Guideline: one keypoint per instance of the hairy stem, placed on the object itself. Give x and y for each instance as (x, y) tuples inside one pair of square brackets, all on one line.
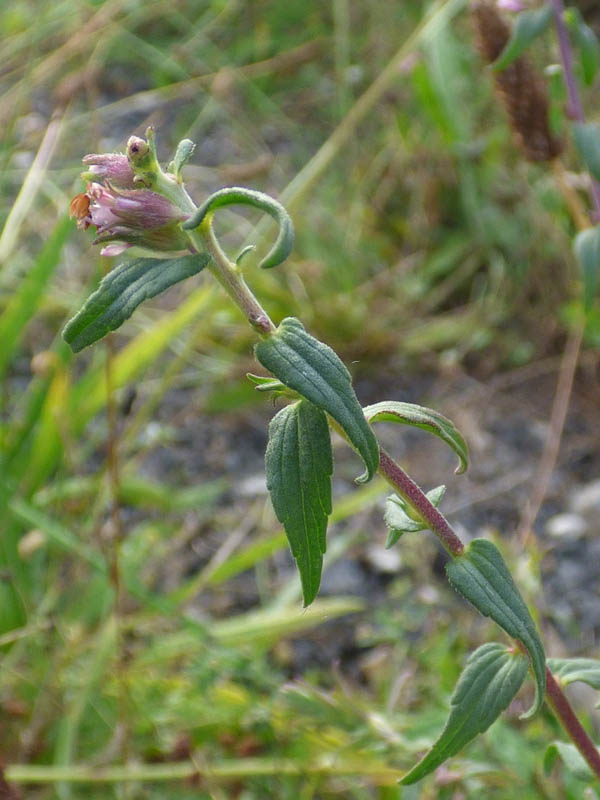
[(562, 708), (230, 277)]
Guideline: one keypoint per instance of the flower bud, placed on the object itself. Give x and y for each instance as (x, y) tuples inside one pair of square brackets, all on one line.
[(130, 217), (113, 168)]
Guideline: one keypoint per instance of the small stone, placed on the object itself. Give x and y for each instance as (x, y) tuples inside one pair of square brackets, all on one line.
[(252, 486), (566, 526), (384, 561), (586, 500)]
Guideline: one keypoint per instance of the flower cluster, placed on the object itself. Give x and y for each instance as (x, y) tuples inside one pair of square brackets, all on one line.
[(125, 216)]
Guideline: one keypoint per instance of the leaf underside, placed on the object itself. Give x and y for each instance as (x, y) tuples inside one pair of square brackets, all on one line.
[(314, 370), (425, 418), (491, 678), (400, 518), (570, 670), (299, 465), (122, 291), (482, 577)]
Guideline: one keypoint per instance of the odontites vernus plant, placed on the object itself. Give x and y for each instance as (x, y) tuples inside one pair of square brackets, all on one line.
[(132, 202)]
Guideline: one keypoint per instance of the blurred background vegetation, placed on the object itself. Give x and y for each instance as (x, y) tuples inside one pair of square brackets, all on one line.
[(166, 630)]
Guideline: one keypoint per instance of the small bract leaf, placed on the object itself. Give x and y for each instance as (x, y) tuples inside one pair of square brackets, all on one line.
[(529, 25), (570, 756), (400, 518), (491, 678), (425, 418), (314, 370), (482, 577), (122, 291), (184, 152), (299, 466), (570, 670), (587, 252), (263, 383)]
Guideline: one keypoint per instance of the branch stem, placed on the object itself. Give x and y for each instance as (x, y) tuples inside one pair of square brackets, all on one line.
[(229, 275), (563, 710)]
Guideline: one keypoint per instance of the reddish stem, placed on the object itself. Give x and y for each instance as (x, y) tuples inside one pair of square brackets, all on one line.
[(409, 491), (562, 709)]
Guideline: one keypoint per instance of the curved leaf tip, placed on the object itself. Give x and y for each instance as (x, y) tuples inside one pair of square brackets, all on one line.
[(236, 195), (425, 418)]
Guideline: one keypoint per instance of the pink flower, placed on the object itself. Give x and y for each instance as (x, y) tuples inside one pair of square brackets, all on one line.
[(128, 217)]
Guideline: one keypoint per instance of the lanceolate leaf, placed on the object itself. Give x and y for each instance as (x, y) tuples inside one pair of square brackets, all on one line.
[(299, 466), (482, 577), (400, 518), (491, 678), (122, 291), (529, 25), (312, 369), (587, 252), (587, 140), (425, 418), (570, 670)]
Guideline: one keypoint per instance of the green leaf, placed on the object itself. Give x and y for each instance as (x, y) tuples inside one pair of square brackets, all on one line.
[(571, 757), (299, 466), (587, 252), (482, 577), (424, 418), (587, 42), (587, 140), (314, 370), (122, 291), (491, 678), (529, 25), (569, 670), (236, 195), (23, 303), (400, 518)]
